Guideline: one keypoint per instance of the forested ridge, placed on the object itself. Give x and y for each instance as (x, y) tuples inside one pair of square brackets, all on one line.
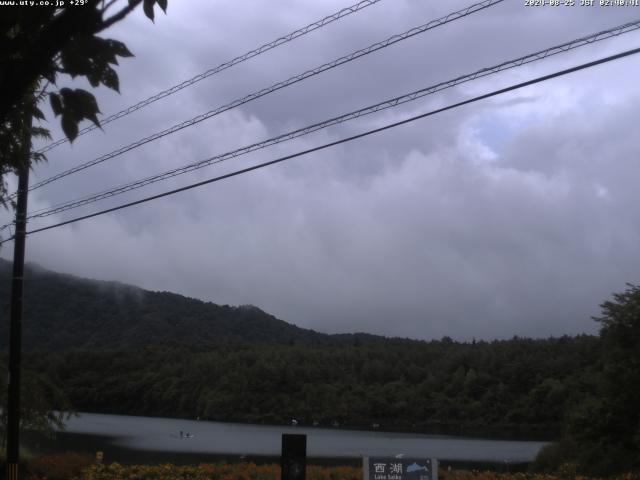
[(511, 385), (63, 311)]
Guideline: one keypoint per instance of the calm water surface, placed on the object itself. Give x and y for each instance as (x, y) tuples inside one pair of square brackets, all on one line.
[(163, 435)]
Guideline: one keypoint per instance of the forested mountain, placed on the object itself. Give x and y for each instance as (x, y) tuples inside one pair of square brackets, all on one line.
[(108, 347), (63, 311), (112, 348), (116, 348), (500, 386)]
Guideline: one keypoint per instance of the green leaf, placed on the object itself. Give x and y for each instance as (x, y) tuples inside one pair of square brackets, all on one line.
[(147, 6), (56, 103), (37, 113), (163, 5), (78, 105), (86, 105), (94, 78), (119, 48), (75, 57), (38, 157), (101, 51), (69, 126), (110, 79), (40, 132)]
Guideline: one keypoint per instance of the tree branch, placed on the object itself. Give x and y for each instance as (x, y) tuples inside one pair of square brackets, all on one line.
[(42, 90), (107, 6), (120, 15)]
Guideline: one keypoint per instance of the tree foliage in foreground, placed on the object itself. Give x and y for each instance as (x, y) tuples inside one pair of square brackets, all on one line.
[(602, 432), (37, 45), (38, 398)]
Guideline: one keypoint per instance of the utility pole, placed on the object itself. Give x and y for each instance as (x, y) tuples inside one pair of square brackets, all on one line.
[(15, 335)]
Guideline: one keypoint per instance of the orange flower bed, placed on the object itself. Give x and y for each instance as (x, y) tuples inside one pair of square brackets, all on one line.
[(475, 475), (215, 471), (251, 471)]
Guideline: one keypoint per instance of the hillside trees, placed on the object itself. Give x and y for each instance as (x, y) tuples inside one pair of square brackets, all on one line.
[(606, 426), (37, 410), (274, 383), (602, 428)]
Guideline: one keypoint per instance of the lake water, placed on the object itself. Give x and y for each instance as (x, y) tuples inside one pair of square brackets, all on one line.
[(163, 435)]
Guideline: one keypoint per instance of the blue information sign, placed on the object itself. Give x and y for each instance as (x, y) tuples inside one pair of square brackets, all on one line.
[(405, 468)]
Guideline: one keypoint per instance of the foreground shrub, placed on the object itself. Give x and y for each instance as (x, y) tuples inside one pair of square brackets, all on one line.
[(60, 466), (251, 471), (567, 472), (553, 455), (217, 471)]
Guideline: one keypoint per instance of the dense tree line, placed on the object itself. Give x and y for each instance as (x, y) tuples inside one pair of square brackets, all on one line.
[(38, 395), (601, 432), (399, 384)]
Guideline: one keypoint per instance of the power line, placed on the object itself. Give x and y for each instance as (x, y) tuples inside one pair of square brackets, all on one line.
[(587, 40), (277, 86), (223, 66), (344, 140)]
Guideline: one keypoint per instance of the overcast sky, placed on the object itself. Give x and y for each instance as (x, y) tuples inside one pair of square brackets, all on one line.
[(516, 215)]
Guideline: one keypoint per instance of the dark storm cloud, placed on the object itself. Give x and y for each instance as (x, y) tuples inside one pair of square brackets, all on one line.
[(511, 216)]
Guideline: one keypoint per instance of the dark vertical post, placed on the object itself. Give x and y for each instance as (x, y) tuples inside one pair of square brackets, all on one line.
[(15, 335), (294, 457)]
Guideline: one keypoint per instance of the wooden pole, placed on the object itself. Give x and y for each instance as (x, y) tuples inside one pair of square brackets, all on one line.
[(15, 334)]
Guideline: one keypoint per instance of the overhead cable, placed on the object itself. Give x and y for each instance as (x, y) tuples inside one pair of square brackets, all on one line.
[(344, 140), (223, 66), (532, 57), (277, 86)]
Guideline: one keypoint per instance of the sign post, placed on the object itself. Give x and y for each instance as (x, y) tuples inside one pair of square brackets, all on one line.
[(294, 457)]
